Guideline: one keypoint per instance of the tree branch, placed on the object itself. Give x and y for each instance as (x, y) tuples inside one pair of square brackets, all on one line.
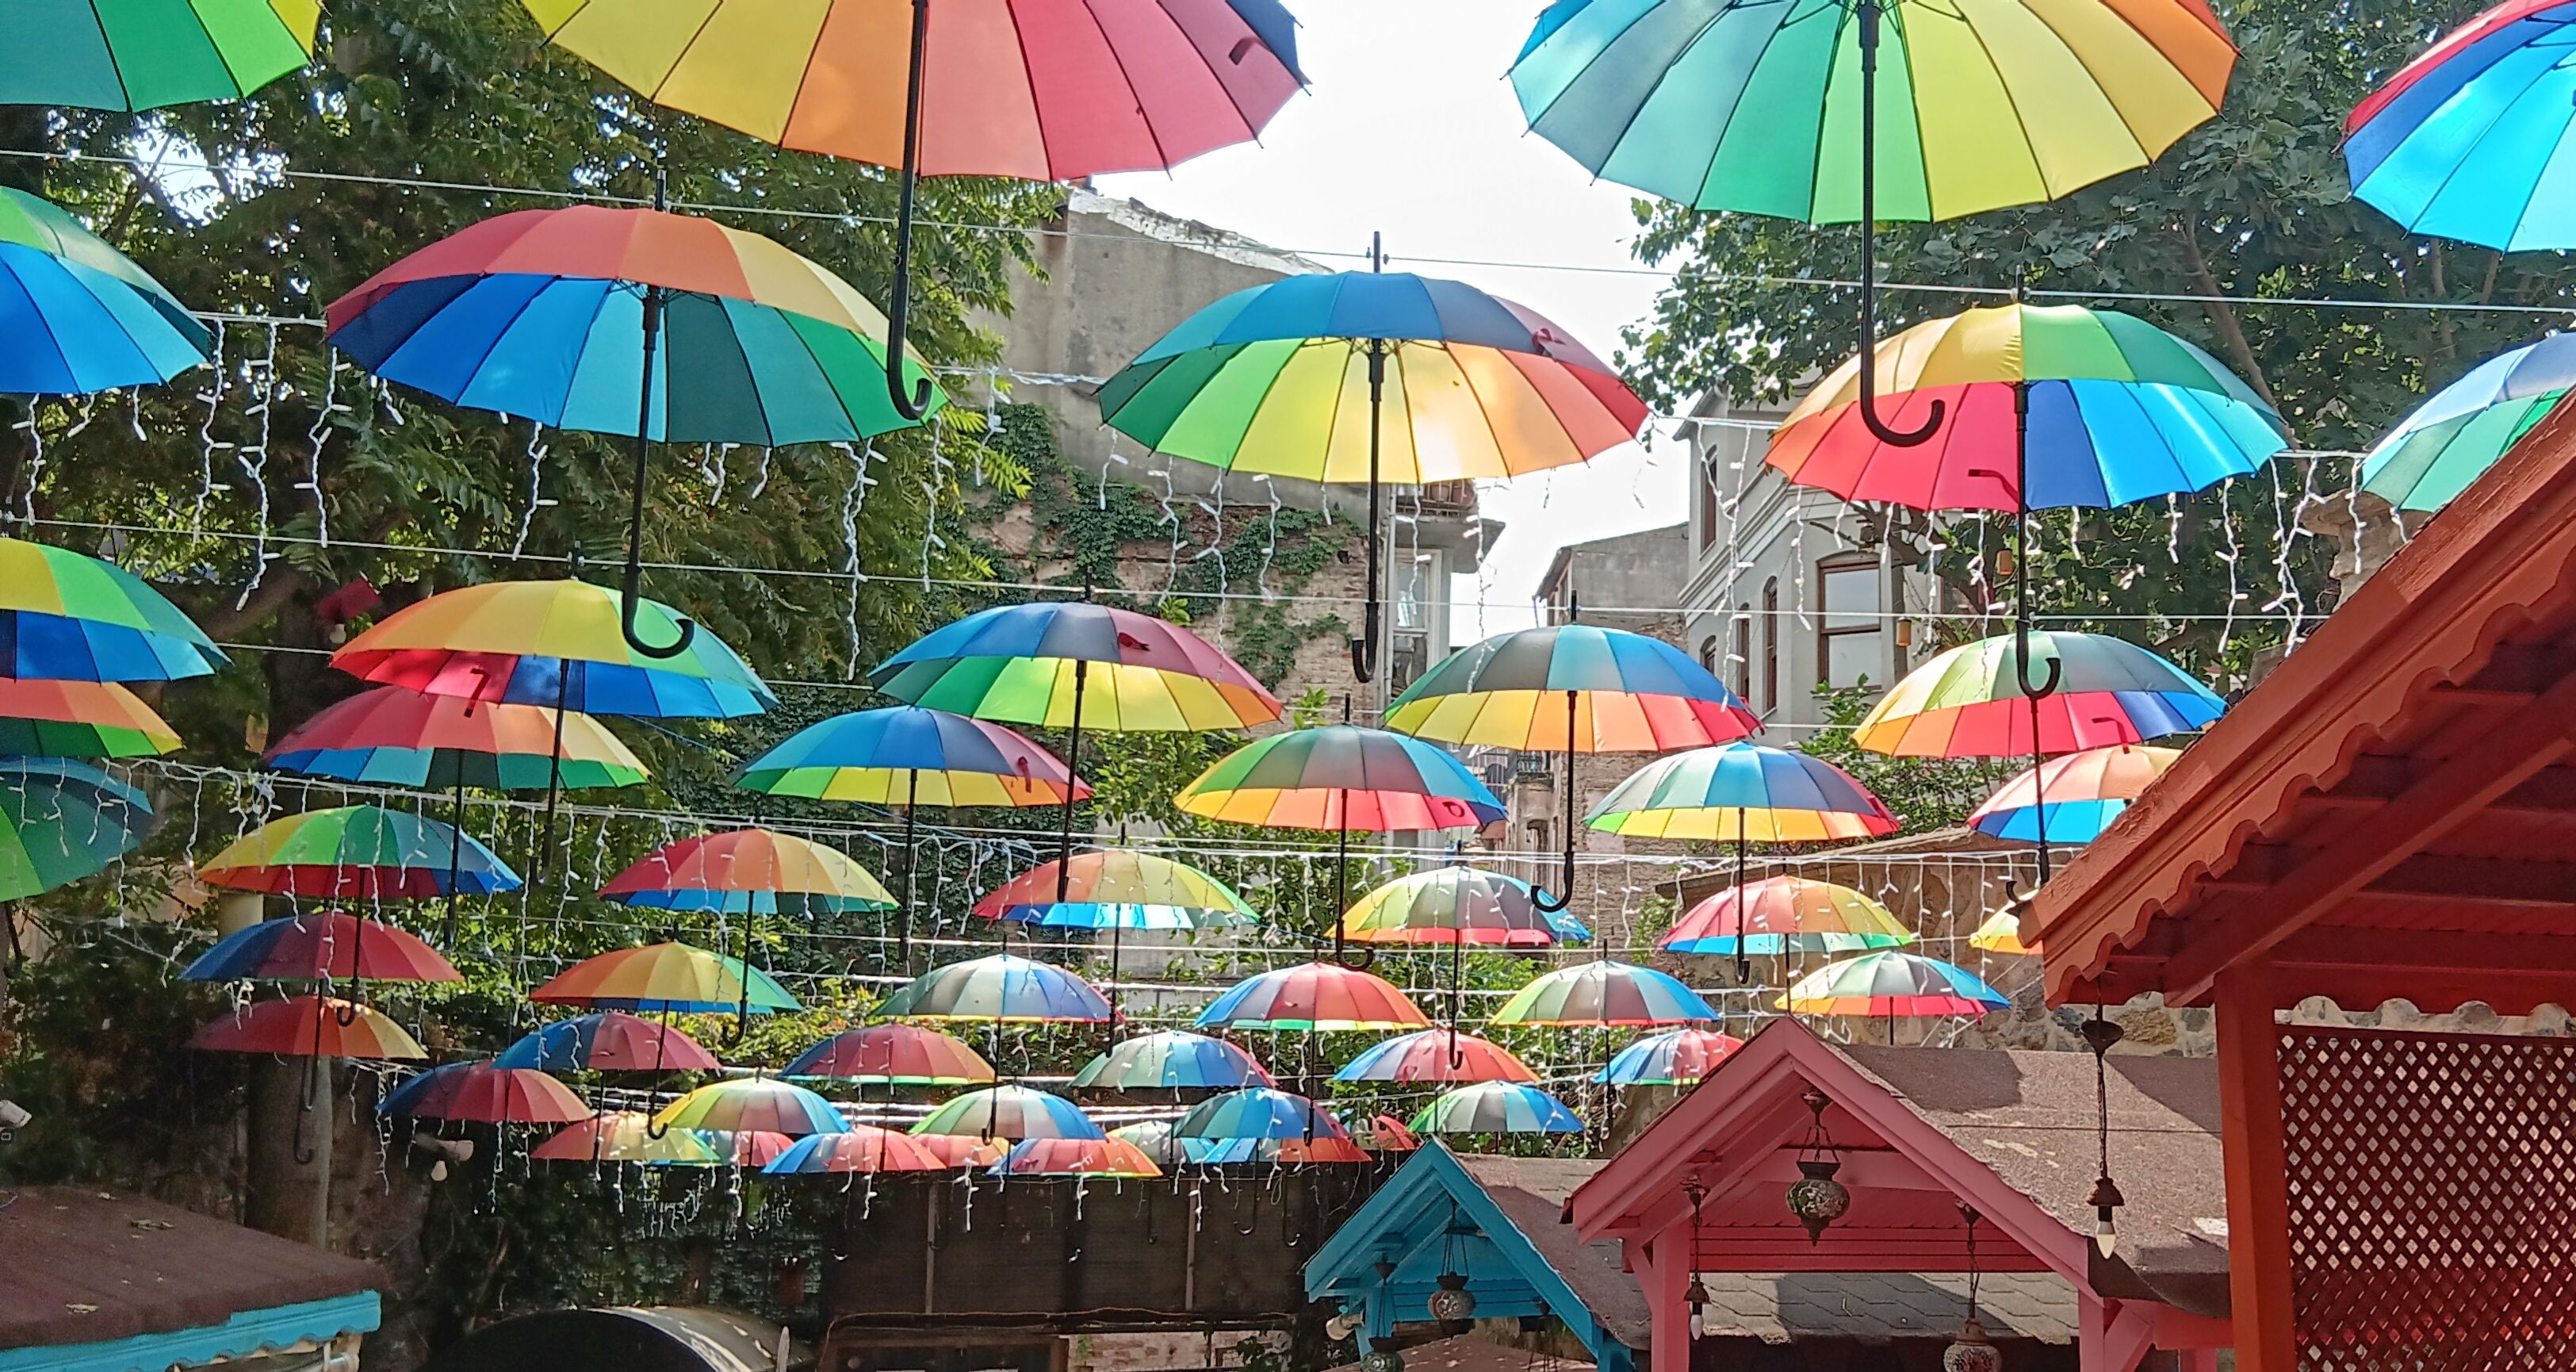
[(2222, 316)]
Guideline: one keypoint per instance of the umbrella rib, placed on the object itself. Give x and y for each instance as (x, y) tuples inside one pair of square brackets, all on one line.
[(1119, 60)]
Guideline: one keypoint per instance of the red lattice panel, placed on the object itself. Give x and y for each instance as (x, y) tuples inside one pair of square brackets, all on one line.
[(2432, 1200)]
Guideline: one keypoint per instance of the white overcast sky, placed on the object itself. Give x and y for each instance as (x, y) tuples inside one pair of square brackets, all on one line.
[(1410, 129)]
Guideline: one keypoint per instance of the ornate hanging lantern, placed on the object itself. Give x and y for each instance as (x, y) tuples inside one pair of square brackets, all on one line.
[(1971, 1350), (1381, 1357), (1816, 1199), (1453, 1303)]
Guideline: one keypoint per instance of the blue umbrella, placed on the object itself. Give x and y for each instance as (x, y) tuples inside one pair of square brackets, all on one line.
[(2469, 140), (1259, 1112), (1496, 1107), (76, 316)]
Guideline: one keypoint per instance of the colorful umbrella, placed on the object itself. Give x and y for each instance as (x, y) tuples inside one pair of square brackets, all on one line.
[(1312, 996), (1001, 988), (309, 1026), (752, 1103), (323, 945), (755, 871), (896, 1054), (672, 978), (1284, 1152), (1601, 994), (1964, 703), (754, 1149), (483, 1093), (1296, 378), (1496, 1107), (70, 617), (1153, 1138), (1891, 984), (1676, 1057), (1171, 1061), (1258, 1112), (862, 1148), (1454, 905), (2001, 933), (1387, 1134), (2083, 792), (1010, 1112), (394, 736), (61, 821), (1785, 914), (1043, 94), (90, 719), (147, 54), (358, 851), (624, 1136), (634, 322), (78, 315), (1435, 1055), (607, 1041), (1102, 1157), (2451, 439), (2467, 141), (961, 1150), (1116, 889)]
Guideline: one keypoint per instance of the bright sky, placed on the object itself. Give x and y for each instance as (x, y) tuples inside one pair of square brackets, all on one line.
[(1410, 129)]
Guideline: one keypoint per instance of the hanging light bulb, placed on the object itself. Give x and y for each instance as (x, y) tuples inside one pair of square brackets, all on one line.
[(2106, 1201), (2101, 1034), (1695, 1296)]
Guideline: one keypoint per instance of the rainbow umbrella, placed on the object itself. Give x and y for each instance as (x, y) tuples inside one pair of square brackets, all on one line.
[(2451, 439), (1964, 702), (2001, 933), (1101, 1157), (1153, 1138), (61, 821), (2467, 140), (78, 315), (961, 1150), (67, 616), (1010, 1112), (754, 1149), (1454, 905), (483, 1093), (308, 1026), (1037, 93), (1117, 890), (607, 1041), (862, 1148), (1171, 1061), (1312, 996), (89, 719), (672, 978), (1782, 915), (1495, 1107), (1258, 1112), (748, 871), (762, 1104), (1436, 1055), (896, 1054), (1285, 1152), (427, 1088), (147, 54), (399, 737), (2082, 793), (624, 1136), (358, 851), (324, 945), (1297, 378), (1676, 1057), (634, 322), (1604, 993), (1891, 984), (1001, 988)]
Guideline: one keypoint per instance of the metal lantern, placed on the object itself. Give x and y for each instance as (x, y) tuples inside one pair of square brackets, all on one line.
[(1972, 1351), (1816, 1199), (1381, 1357), (1453, 1303)]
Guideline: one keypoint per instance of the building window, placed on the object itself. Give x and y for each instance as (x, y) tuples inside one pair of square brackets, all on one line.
[(1708, 654), (1708, 509), (1741, 654), (1771, 644), (1848, 651)]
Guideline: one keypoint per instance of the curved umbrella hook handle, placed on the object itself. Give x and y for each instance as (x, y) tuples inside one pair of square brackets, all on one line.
[(631, 598), (2048, 684), (912, 402), (1879, 428), (655, 1129)]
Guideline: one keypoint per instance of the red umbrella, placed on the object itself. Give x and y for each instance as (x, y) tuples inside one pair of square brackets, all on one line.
[(308, 1027), (607, 1041), (962, 1150), (326, 945), (484, 1094), (899, 1054), (867, 1148)]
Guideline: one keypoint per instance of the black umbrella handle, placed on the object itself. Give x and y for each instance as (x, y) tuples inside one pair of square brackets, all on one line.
[(1879, 428), (914, 401), (633, 597)]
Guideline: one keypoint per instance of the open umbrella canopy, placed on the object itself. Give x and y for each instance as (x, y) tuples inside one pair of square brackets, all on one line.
[(1785, 914), (1312, 996), (1630, 694), (1466, 905), (624, 1136), (671, 978), (1341, 777), (1153, 1138), (1171, 1061), (396, 736), (2001, 933), (894, 1054), (147, 54), (1259, 1112), (87, 719), (1435, 1055), (1496, 1107), (1101, 1157), (1001, 988), (1967, 702), (1742, 791), (364, 851), (1010, 1112), (862, 1148), (2083, 792), (1676, 1057), (484, 1093), (1753, 107), (1387, 1134), (907, 755), (307, 1026), (77, 315), (1120, 887), (1891, 984), (320, 945), (61, 821), (1283, 1152), (68, 616), (759, 871), (2120, 411), (1275, 379), (762, 1104), (607, 1041), (552, 643), (1604, 993), (2469, 140), (540, 314), (1019, 663), (961, 1150), (2451, 439)]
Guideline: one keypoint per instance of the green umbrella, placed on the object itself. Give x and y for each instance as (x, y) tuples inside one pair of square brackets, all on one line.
[(61, 821), (144, 54)]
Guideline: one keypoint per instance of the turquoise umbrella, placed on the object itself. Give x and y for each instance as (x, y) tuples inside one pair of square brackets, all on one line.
[(61, 821)]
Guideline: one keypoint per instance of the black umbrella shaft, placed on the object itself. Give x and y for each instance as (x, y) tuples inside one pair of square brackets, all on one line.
[(911, 868), (1072, 760), (910, 402)]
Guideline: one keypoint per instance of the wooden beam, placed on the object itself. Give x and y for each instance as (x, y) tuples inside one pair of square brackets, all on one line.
[(2377, 779), (2262, 867), (2258, 1188), (1875, 1169)]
